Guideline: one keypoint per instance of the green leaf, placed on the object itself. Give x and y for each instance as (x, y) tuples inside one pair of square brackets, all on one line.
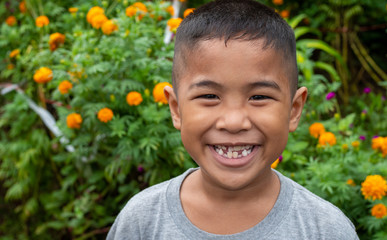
[(296, 20)]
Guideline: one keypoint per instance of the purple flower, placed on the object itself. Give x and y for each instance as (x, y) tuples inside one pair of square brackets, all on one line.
[(362, 137), (364, 111), (330, 95), (376, 136), (280, 158), (140, 169), (367, 90), (383, 98)]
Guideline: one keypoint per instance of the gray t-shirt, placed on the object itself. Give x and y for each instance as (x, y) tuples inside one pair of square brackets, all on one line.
[(157, 213)]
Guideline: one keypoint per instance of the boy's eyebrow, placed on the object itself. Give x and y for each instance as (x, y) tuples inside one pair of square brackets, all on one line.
[(265, 84), (206, 84), (256, 84)]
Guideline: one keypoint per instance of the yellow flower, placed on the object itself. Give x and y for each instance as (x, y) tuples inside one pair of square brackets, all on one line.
[(285, 13), (351, 182), (43, 75), (11, 20), (344, 146), (278, 2), (355, 144), (170, 10), (65, 86), (14, 53), (158, 92), (134, 98), (42, 21), (105, 115), (92, 12), (188, 11), (379, 210), (327, 138), (316, 129), (74, 120), (55, 40), (275, 163), (174, 23), (22, 7), (108, 27), (98, 20), (374, 186), (73, 10)]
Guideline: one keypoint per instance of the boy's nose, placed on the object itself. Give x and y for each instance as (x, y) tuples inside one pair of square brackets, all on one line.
[(234, 121)]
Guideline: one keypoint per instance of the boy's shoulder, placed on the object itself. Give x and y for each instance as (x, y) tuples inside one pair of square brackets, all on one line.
[(314, 214)]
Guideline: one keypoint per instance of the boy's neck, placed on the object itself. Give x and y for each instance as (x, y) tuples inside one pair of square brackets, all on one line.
[(220, 211), (266, 184)]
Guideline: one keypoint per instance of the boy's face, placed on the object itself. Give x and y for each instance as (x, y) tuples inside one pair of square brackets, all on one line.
[(234, 110)]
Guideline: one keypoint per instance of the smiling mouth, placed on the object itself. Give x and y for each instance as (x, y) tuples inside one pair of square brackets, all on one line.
[(233, 151)]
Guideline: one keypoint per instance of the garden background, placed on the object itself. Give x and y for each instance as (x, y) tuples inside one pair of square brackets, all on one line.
[(84, 124)]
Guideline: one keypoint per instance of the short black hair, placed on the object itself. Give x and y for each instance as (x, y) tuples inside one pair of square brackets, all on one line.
[(235, 20)]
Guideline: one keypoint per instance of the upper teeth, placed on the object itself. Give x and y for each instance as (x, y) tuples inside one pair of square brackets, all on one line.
[(233, 151)]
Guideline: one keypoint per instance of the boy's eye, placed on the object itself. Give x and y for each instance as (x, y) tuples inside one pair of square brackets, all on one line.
[(259, 97), (208, 96)]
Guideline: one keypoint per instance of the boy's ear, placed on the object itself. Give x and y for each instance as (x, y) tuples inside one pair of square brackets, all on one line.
[(173, 106), (297, 106)]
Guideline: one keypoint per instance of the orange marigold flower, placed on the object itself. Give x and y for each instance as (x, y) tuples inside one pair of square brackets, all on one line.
[(134, 98), (351, 182), (174, 23), (74, 120), (275, 163), (10, 66), (14, 53), (105, 115), (158, 92), (355, 144), (42, 21), (379, 210), (285, 13), (108, 27), (134, 8), (188, 11), (327, 138), (43, 75), (22, 7), (11, 20), (130, 11), (98, 20), (73, 10), (140, 6), (344, 146), (170, 10), (92, 12), (316, 129), (378, 142), (55, 40), (65, 86), (278, 2), (374, 187)]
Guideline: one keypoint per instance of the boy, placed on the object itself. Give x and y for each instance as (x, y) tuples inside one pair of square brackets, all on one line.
[(235, 99)]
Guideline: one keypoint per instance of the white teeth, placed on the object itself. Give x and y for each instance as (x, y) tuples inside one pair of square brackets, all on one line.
[(244, 153), (233, 151)]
